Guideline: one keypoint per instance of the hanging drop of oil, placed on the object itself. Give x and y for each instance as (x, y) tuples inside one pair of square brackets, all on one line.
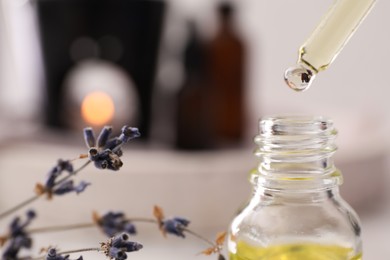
[(299, 77)]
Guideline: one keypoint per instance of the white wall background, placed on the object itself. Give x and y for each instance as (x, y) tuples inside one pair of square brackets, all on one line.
[(355, 87)]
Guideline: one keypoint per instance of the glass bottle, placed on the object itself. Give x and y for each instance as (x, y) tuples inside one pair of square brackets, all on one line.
[(296, 211)]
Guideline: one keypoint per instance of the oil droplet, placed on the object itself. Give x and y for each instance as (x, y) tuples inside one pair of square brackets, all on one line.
[(299, 77)]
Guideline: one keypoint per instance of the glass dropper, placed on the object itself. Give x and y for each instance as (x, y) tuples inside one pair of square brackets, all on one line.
[(327, 41)]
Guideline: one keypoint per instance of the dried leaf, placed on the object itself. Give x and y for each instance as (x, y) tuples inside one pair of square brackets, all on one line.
[(82, 156), (39, 189), (44, 250), (96, 217), (208, 251), (220, 238), (158, 213), (3, 239)]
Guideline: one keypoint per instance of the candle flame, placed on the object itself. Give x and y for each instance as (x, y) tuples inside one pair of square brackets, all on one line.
[(97, 108)]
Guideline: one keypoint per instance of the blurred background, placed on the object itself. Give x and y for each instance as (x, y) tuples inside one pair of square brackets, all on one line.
[(195, 76)]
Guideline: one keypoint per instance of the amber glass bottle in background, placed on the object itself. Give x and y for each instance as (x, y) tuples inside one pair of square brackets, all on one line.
[(226, 58), (296, 211)]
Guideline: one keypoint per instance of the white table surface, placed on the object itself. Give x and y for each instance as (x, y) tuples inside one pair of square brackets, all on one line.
[(205, 187)]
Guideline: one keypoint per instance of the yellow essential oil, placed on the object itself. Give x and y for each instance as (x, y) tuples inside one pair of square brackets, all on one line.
[(294, 252), (334, 30)]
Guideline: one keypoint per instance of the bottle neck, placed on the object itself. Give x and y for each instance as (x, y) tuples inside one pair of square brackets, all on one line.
[(296, 155)]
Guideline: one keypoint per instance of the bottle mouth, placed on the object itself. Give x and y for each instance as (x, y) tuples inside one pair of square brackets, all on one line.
[(295, 138), (296, 152), (296, 125)]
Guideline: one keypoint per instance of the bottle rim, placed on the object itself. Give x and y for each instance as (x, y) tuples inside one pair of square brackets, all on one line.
[(296, 125)]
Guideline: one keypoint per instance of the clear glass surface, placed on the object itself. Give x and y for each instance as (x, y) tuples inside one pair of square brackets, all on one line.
[(296, 211)]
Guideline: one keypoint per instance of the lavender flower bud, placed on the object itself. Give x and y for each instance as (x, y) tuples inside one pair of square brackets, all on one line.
[(93, 154), (65, 165), (19, 237), (31, 214), (52, 255), (175, 226), (119, 240), (56, 172), (129, 133), (132, 246), (103, 136), (112, 143), (15, 226), (22, 241), (53, 174), (182, 221), (117, 253), (101, 164), (130, 228), (89, 137), (64, 188), (113, 223), (81, 187), (68, 186)]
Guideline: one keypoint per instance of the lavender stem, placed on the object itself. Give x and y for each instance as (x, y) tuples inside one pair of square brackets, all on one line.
[(35, 197), (19, 206)]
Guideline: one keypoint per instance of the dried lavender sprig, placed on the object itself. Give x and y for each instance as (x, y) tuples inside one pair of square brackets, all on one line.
[(109, 157), (177, 226), (214, 245), (114, 248), (92, 224), (73, 173), (37, 196), (76, 226), (104, 151), (18, 238)]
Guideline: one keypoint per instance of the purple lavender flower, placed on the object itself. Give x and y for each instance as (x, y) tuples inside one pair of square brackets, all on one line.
[(129, 133), (175, 226), (120, 245), (105, 151), (56, 172), (117, 247), (59, 187), (19, 238), (113, 223), (52, 255), (68, 186), (104, 136), (89, 137), (105, 159)]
